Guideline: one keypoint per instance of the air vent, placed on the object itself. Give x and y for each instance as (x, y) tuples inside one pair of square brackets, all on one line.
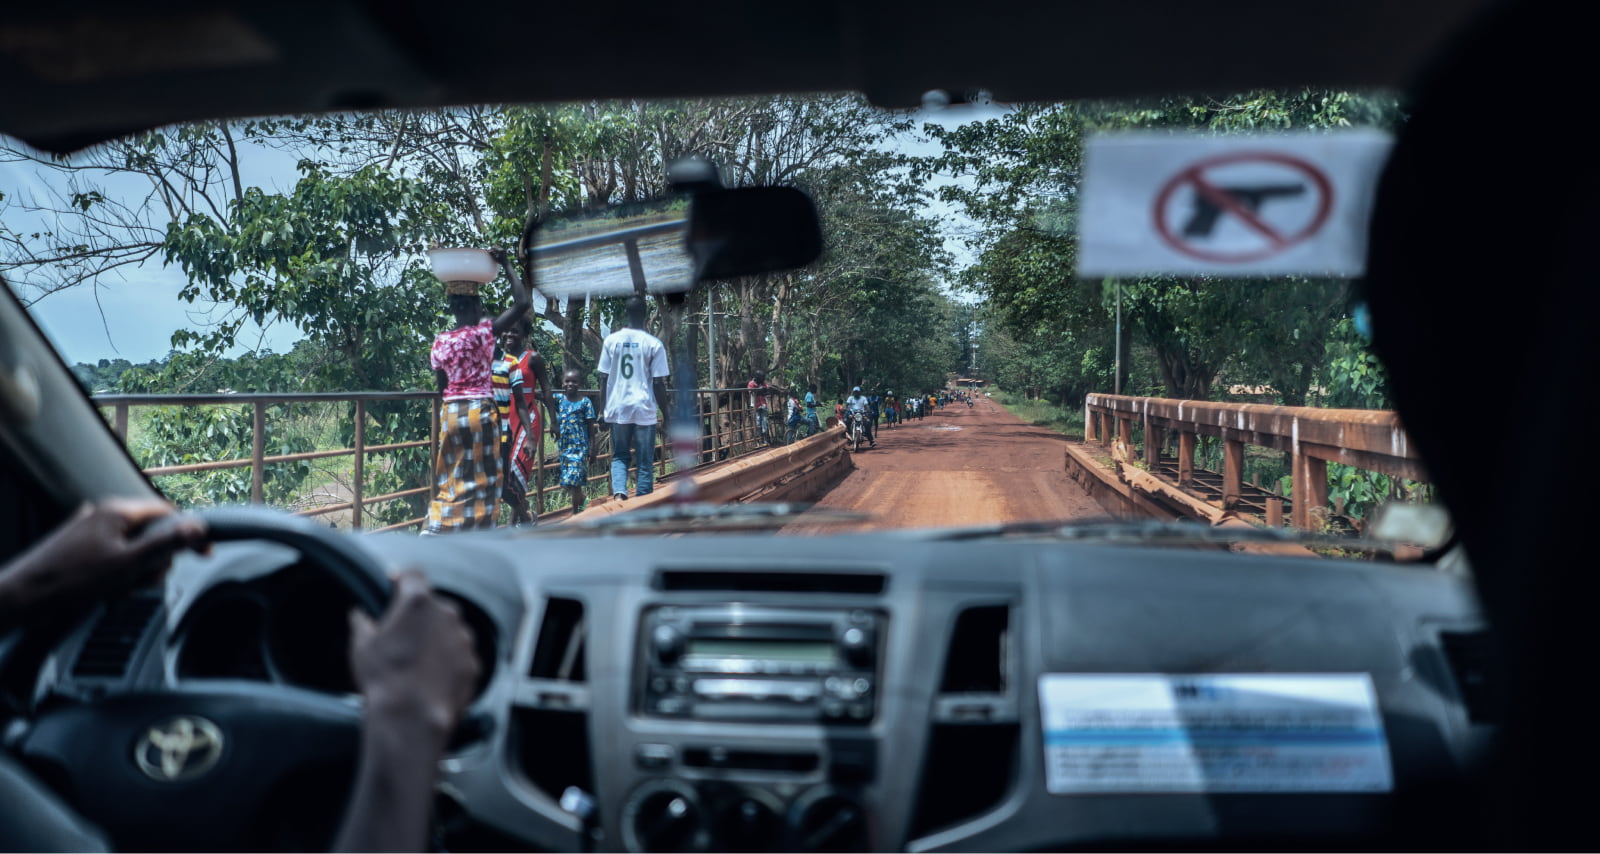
[(974, 745), (1473, 663), (869, 583), (976, 659), (969, 772), (552, 750), (115, 637), (559, 652)]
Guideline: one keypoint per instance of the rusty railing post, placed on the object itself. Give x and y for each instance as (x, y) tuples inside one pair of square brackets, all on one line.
[(119, 421), (1186, 443), (538, 470), (663, 450), (433, 440), (716, 424), (1088, 423), (1152, 446), (1310, 489), (360, 472), (258, 447), (1274, 511), (1232, 472)]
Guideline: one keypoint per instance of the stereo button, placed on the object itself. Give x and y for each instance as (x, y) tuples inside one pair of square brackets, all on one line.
[(650, 756)]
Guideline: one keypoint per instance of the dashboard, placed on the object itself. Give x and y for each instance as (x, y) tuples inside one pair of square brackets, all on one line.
[(880, 691)]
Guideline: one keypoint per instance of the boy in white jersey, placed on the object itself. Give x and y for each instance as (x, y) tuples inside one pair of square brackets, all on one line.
[(632, 365)]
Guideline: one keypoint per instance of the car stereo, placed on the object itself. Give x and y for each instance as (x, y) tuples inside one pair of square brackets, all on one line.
[(760, 664)]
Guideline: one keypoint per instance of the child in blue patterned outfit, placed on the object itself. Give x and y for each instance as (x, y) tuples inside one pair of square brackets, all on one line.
[(574, 431)]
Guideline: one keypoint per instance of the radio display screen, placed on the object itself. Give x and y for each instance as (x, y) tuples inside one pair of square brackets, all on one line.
[(760, 649)]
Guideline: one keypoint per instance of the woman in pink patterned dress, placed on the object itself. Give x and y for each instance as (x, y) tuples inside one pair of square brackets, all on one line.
[(466, 473)]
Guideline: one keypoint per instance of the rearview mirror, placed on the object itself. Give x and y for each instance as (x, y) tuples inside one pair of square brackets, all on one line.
[(665, 245)]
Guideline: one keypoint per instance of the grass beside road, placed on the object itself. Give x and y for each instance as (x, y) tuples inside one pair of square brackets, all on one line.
[(1067, 421)]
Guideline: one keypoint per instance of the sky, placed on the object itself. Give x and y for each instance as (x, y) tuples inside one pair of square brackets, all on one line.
[(130, 314), (133, 313)]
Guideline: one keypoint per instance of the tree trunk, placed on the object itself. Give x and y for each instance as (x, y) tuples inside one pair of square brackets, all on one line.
[(572, 337), (780, 334)]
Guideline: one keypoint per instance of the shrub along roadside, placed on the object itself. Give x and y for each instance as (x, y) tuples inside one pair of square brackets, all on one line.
[(1064, 420)]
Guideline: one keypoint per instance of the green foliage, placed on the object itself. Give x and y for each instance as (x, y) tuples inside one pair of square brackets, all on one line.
[(198, 434), (1065, 420), (337, 257), (106, 376), (1022, 172), (1353, 376)]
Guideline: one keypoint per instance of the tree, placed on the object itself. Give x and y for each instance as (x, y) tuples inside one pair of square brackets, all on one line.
[(1021, 173)]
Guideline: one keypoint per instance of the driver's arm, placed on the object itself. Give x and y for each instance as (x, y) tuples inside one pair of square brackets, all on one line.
[(416, 670), (104, 548)]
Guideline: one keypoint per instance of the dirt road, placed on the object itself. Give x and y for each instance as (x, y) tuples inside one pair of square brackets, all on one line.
[(959, 466)]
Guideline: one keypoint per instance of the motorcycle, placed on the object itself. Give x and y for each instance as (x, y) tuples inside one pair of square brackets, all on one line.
[(857, 429)]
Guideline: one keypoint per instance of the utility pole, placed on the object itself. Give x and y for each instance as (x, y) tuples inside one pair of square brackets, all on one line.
[(711, 338), (1116, 378)]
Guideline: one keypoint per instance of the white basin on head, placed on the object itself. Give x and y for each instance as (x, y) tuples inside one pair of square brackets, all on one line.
[(463, 265)]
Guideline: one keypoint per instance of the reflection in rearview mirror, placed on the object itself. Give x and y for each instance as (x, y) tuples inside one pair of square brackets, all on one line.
[(613, 251)]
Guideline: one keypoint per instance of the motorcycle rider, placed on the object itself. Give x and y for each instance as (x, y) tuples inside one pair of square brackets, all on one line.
[(858, 405)]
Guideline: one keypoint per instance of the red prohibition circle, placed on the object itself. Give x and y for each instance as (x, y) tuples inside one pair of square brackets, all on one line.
[(1277, 243)]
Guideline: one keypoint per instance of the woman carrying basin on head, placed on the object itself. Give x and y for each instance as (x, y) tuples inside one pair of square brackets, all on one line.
[(466, 472)]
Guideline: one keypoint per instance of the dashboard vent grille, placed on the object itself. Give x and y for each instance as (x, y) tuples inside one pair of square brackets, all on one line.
[(559, 652), (976, 659), (1472, 663), (115, 637), (870, 583), (970, 770)]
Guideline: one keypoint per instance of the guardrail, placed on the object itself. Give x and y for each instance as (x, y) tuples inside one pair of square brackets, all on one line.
[(1367, 439), (797, 472), (728, 427)]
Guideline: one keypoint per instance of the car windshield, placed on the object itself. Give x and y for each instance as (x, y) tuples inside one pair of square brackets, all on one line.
[(258, 310)]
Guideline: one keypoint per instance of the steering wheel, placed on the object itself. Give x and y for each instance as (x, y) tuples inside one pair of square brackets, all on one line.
[(193, 768)]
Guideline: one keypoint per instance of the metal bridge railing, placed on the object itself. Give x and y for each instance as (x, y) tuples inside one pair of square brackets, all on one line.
[(1366, 439), (728, 429)]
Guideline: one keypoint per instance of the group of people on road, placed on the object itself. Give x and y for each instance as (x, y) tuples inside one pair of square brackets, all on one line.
[(801, 416), (489, 432)]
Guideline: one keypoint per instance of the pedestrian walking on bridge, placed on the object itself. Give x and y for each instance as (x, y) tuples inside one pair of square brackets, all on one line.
[(466, 472), (633, 364)]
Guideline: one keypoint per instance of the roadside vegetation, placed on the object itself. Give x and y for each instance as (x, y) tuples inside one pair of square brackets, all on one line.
[(1043, 413)]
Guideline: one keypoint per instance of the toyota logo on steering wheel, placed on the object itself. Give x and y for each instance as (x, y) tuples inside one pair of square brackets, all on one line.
[(182, 748)]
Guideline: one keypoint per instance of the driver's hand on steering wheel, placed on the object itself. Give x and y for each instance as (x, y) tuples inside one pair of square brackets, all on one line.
[(417, 663), (105, 547)]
